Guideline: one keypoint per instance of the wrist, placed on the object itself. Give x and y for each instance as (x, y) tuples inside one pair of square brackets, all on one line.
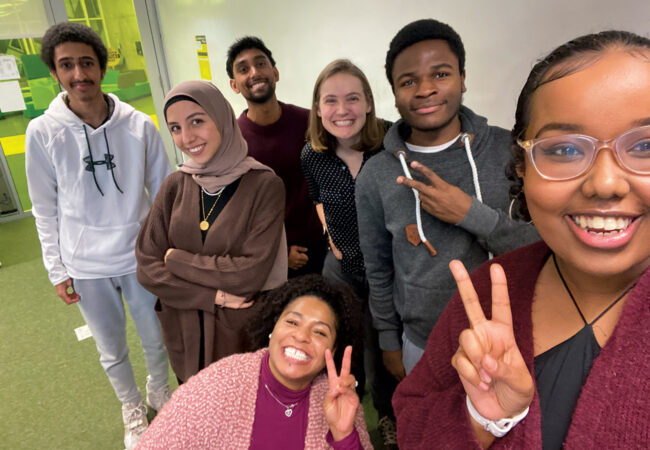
[(497, 428)]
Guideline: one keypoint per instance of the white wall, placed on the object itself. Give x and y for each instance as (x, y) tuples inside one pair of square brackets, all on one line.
[(502, 38)]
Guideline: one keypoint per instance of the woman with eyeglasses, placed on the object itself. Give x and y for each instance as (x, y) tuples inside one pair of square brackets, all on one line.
[(549, 344), (214, 236)]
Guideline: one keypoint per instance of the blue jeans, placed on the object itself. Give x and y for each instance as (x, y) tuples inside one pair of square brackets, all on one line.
[(103, 310), (411, 354)]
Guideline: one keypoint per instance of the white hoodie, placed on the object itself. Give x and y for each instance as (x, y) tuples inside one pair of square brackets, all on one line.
[(83, 233)]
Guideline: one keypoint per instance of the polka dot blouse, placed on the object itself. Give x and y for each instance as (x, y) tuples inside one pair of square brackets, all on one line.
[(331, 183)]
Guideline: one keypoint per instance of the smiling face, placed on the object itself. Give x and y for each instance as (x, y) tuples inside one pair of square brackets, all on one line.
[(343, 107), (598, 223), (254, 76), (78, 71), (305, 329), (428, 91), (193, 131)]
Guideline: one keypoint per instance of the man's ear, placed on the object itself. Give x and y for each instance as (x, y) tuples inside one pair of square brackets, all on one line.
[(463, 89), (53, 73), (277, 74), (233, 86)]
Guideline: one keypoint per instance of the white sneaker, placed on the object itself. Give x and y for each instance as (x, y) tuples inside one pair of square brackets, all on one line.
[(157, 399), (135, 420)]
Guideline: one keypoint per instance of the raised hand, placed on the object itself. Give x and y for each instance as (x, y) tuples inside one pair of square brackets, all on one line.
[(341, 401), (439, 198), (488, 361)]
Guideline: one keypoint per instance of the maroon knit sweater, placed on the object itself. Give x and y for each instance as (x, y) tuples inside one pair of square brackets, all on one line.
[(613, 410), (278, 145)]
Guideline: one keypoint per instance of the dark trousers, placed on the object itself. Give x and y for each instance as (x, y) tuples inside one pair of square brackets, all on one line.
[(316, 253), (382, 383)]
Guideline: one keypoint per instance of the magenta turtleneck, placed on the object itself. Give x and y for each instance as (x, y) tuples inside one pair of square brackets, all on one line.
[(271, 424)]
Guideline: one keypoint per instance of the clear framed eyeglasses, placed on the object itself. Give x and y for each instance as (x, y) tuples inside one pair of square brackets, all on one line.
[(571, 155)]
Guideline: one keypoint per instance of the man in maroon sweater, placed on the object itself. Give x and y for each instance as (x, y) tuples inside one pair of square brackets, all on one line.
[(275, 133)]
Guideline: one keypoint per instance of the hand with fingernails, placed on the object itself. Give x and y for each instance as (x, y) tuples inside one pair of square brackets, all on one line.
[(341, 401), (439, 198), (488, 361)]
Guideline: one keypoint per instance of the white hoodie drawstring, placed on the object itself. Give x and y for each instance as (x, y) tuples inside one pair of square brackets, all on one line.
[(401, 154), (477, 186)]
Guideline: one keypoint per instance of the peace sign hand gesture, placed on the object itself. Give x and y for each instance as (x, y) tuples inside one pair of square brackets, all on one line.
[(341, 401), (488, 361)]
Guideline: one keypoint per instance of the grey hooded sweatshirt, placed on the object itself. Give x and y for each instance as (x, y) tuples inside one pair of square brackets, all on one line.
[(409, 287)]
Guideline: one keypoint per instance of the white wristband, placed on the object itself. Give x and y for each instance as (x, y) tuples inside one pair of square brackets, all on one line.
[(498, 428)]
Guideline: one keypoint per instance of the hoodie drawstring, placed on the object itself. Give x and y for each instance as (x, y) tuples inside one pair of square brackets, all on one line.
[(108, 160), (466, 140)]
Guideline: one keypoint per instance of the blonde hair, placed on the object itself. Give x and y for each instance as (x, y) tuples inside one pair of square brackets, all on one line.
[(372, 133)]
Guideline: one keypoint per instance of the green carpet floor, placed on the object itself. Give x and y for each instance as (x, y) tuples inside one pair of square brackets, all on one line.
[(53, 392)]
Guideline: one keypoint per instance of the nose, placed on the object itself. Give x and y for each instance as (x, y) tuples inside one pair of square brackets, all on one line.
[(302, 334), (79, 73), (187, 136), (340, 107), (426, 88), (606, 179)]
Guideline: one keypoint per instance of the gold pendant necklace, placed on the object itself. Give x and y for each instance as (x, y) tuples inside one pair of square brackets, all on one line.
[(204, 224)]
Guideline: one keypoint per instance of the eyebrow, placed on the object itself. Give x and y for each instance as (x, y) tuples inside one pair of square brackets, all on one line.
[(558, 126), (245, 61), (194, 114), (345, 95), (574, 128), (434, 67), (70, 58), (319, 321), (641, 122)]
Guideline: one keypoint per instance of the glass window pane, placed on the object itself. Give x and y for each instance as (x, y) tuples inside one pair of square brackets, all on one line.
[(74, 9), (92, 8)]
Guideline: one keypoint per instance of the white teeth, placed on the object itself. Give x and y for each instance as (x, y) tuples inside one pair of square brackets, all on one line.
[(602, 225), (596, 222), (195, 149), (610, 223), (295, 354), (343, 123)]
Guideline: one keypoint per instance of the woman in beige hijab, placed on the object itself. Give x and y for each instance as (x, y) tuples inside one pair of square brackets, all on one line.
[(214, 235)]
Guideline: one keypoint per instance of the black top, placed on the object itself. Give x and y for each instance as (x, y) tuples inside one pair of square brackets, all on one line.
[(561, 371), (330, 182), (209, 200)]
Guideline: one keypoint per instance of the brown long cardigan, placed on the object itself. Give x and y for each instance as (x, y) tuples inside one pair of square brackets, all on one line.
[(237, 257)]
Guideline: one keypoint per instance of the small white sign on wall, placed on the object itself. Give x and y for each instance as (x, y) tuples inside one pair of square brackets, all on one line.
[(8, 68), (11, 97)]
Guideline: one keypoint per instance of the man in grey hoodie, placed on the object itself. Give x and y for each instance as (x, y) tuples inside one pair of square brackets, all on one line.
[(458, 164)]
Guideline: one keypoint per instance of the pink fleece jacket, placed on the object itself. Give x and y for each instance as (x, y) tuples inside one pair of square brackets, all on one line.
[(215, 409)]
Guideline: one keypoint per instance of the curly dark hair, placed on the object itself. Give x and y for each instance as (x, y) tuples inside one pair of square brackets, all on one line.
[(71, 32), (347, 308), (242, 44), (423, 30), (566, 59)]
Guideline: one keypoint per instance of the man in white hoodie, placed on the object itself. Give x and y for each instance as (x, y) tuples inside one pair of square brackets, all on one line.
[(93, 166)]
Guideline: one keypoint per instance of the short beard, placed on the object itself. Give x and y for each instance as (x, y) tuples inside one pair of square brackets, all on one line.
[(261, 99)]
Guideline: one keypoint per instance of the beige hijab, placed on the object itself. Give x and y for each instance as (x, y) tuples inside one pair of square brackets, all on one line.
[(231, 160)]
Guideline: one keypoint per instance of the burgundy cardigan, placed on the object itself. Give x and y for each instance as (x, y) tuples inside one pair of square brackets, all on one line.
[(613, 410)]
